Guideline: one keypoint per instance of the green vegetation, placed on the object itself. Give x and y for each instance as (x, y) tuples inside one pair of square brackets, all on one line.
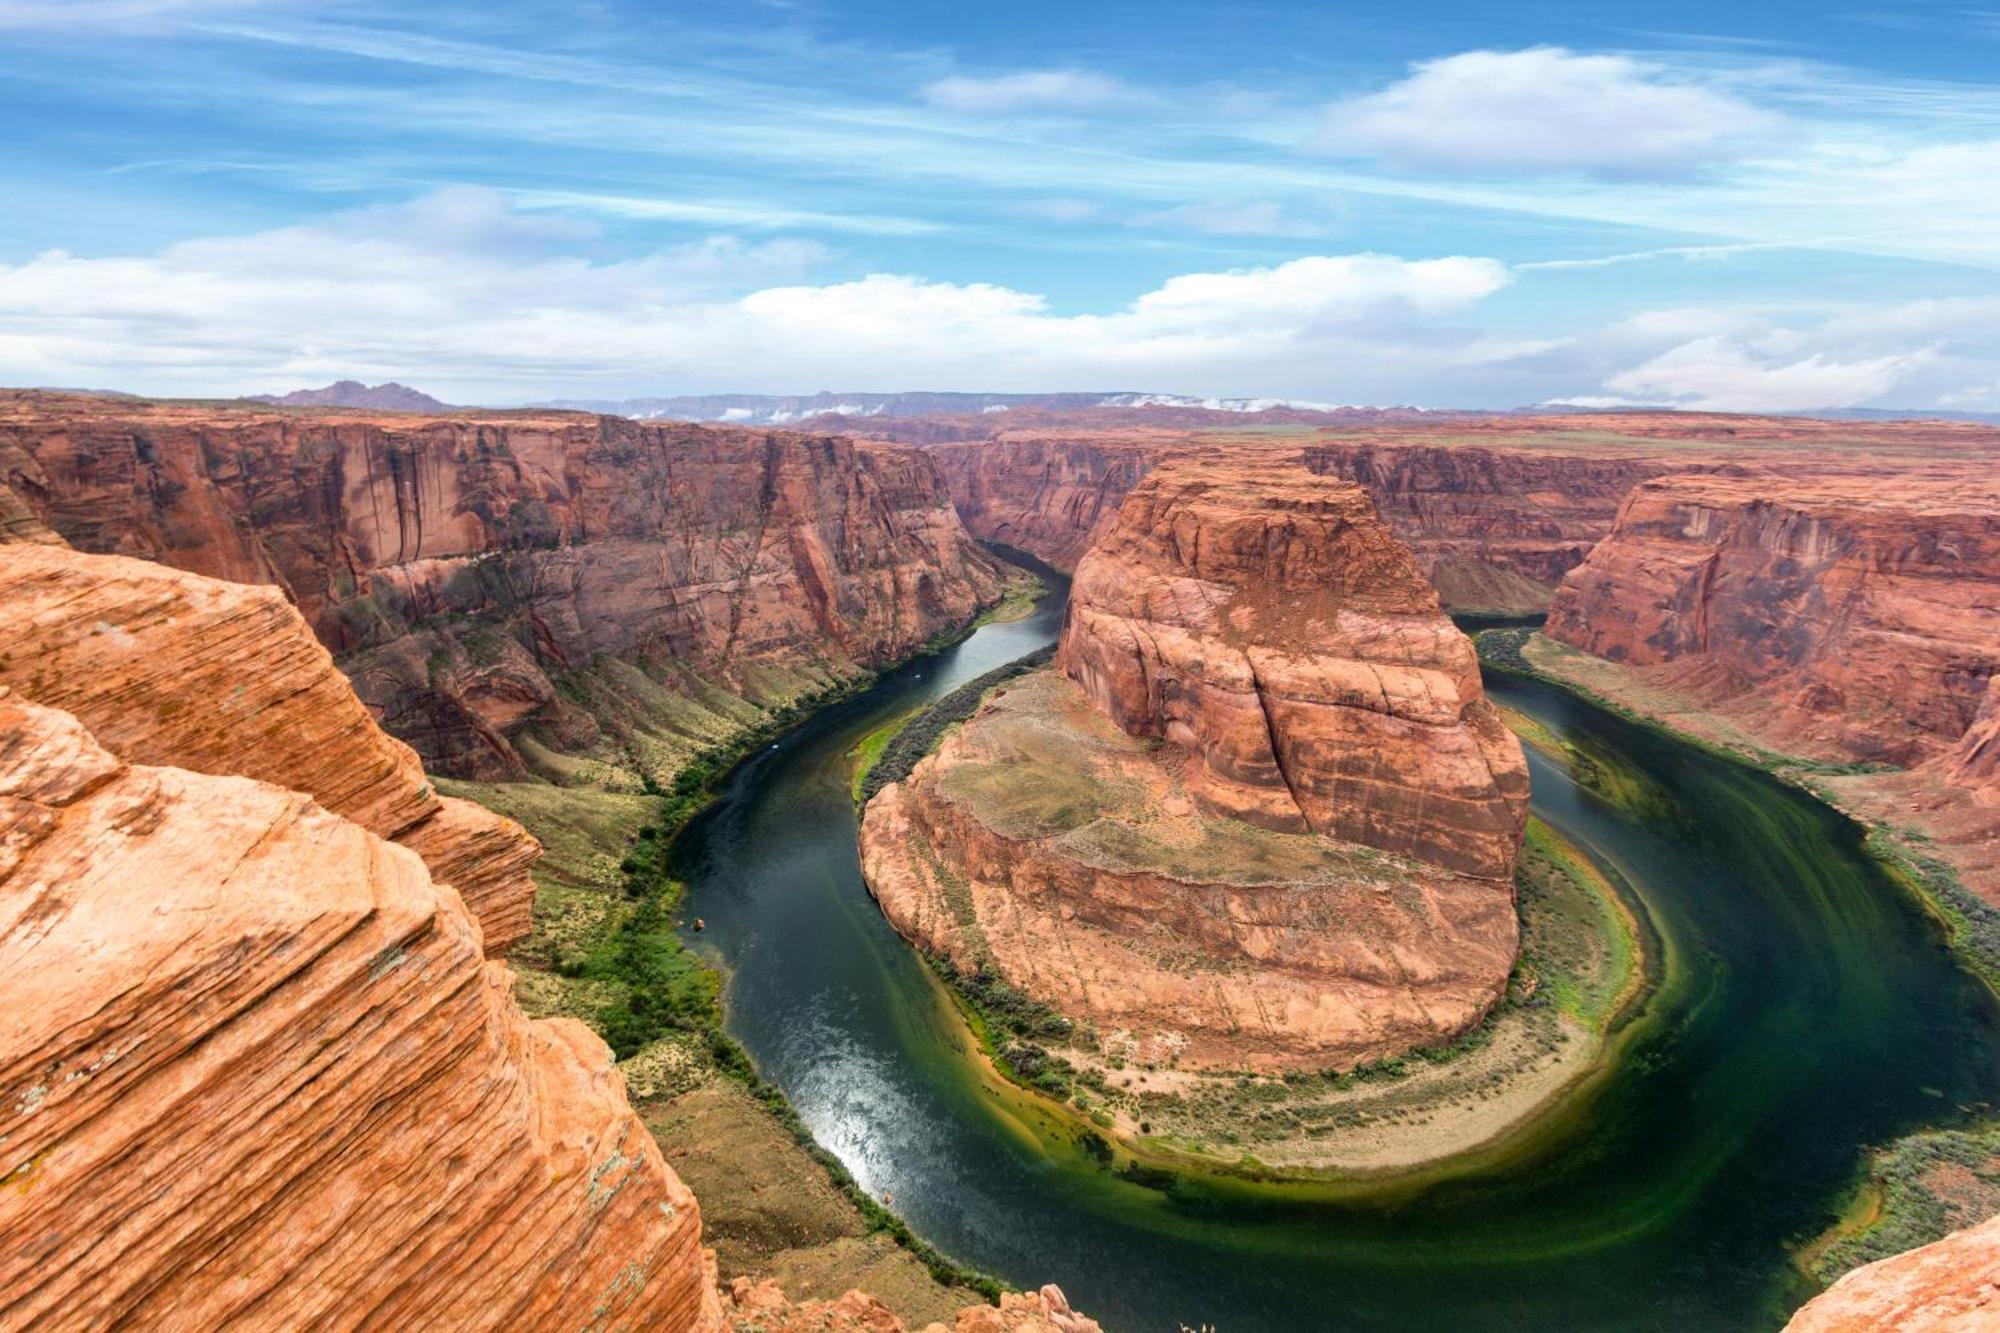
[(920, 734), (1917, 1190), (606, 946), (867, 752), (1971, 925), (1017, 602)]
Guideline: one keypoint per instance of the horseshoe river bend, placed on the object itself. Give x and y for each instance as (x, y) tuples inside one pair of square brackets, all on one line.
[(1802, 1008)]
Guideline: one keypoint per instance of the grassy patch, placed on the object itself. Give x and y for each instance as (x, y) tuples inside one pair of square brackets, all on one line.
[(920, 734), (1918, 1189), (867, 752)]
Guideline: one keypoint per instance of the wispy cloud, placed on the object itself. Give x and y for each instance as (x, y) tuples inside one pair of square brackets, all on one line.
[(131, 15), (1032, 90)]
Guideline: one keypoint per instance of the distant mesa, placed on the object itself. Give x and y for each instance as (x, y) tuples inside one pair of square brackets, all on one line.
[(390, 397)]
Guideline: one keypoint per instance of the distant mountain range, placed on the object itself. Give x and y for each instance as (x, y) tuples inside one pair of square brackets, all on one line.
[(390, 397), (764, 409), (759, 409)]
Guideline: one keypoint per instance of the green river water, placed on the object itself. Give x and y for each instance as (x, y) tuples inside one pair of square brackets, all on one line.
[(1806, 1009)]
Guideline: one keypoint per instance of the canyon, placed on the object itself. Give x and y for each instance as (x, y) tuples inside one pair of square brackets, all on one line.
[(1256, 816), (523, 594), (1837, 617), (249, 1033), (1497, 509)]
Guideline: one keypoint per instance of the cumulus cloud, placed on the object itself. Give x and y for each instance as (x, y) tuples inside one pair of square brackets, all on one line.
[(1545, 109), (470, 296), (1031, 90)]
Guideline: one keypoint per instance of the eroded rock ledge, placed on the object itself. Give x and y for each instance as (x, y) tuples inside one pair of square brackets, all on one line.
[(171, 668), (254, 1068), (1259, 817), (1952, 1286)]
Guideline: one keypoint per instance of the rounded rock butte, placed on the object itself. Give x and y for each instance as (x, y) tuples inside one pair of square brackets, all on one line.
[(1259, 815)]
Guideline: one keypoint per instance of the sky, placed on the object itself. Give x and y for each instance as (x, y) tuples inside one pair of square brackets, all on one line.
[(1748, 207)]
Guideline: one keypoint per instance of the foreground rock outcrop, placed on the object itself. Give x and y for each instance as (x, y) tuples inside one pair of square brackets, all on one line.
[(478, 575), (254, 1069), (1952, 1286), (1834, 615), (1260, 816), (225, 678)]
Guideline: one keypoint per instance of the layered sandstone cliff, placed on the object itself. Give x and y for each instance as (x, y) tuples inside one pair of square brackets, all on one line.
[(1260, 815), (1835, 614), (225, 678), (1494, 529), (254, 1070), (1952, 1286), (470, 573)]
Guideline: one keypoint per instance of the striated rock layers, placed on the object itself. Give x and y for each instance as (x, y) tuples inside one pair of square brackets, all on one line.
[(167, 667), (1952, 1286), (1494, 529), (1048, 497), (469, 572), (254, 1072), (1843, 615), (1259, 816)]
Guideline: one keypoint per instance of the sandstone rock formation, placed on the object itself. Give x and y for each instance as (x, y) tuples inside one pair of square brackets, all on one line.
[(254, 1071), (470, 573), (1494, 529), (1048, 497), (1952, 1286), (1833, 614), (761, 1307), (1261, 815), (171, 668), (1270, 624)]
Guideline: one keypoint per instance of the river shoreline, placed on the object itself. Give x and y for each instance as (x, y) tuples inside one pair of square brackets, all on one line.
[(1418, 1115), (1892, 1205)]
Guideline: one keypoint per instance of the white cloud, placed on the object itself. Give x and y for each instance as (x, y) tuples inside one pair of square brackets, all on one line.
[(475, 299), (1717, 373), (1033, 90), (1545, 109), (1225, 218)]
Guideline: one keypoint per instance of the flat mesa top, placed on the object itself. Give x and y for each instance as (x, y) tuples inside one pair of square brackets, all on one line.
[(1038, 761)]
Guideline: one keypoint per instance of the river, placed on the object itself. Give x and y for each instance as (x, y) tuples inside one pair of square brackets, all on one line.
[(1808, 1009)]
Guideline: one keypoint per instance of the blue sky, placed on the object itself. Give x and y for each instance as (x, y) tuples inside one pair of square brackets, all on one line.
[(1748, 207)]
